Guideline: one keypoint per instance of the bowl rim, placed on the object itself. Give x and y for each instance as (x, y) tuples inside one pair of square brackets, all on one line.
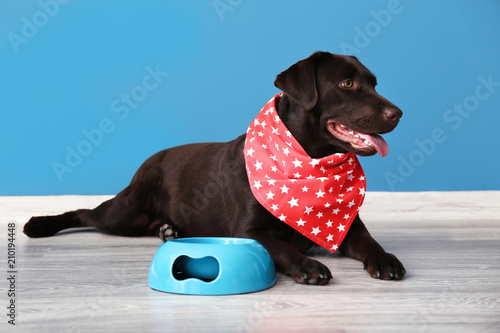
[(213, 241)]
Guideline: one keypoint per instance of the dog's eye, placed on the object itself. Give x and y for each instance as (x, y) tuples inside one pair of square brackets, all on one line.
[(347, 84)]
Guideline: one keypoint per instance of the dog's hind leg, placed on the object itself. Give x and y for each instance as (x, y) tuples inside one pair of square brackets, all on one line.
[(124, 215), (45, 226)]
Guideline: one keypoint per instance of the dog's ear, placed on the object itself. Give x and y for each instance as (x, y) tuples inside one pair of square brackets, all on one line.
[(299, 82)]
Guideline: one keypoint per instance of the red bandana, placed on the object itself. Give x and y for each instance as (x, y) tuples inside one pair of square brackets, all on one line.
[(317, 197)]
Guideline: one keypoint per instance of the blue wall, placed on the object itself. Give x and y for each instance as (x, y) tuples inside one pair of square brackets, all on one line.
[(90, 89)]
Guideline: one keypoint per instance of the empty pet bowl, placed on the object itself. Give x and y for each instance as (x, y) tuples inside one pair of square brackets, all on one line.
[(211, 266)]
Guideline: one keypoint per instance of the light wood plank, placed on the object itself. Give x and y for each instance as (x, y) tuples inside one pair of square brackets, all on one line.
[(93, 282)]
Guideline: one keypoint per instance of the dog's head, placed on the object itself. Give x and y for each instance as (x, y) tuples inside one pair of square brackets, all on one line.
[(337, 95)]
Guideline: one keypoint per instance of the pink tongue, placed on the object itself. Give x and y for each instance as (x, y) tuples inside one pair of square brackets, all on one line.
[(377, 141)]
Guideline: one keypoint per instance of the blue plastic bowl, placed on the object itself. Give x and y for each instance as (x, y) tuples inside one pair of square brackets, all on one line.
[(211, 266)]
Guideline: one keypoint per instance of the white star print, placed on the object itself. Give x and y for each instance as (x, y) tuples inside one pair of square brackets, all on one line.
[(341, 227), (300, 222), (316, 231), (346, 217), (335, 211), (308, 210), (260, 134), (349, 189), (274, 158), (293, 202), (362, 191), (296, 175), (305, 188), (274, 168), (329, 224), (337, 177), (286, 151), (327, 205), (258, 165), (335, 247), (351, 204), (250, 151), (314, 162), (274, 207), (350, 177), (270, 195), (297, 163), (282, 217), (271, 182), (284, 189), (322, 178), (256, 184), (319, 215), (329, 238), (288, 134), (263, 124), (320, 194)]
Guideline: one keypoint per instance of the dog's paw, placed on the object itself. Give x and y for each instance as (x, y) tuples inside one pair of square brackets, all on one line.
[(385, 267), (310, 271), (167, 233), (39, 226)]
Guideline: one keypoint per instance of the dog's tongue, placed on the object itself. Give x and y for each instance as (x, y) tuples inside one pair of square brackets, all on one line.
[(377, 141)]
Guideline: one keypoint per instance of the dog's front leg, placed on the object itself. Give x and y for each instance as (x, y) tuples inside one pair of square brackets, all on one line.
[(290, 261), (360, 245)]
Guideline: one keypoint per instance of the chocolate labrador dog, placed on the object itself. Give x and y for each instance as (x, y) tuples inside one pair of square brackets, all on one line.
[(330, 106)]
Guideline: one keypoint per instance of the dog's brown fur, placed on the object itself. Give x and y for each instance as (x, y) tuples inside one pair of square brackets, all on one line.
[(203, 190)]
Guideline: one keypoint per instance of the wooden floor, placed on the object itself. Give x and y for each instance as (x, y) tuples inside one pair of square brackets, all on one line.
[(93, 282)]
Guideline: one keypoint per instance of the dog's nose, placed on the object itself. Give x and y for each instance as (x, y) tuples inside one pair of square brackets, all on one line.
[(392, 113)]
